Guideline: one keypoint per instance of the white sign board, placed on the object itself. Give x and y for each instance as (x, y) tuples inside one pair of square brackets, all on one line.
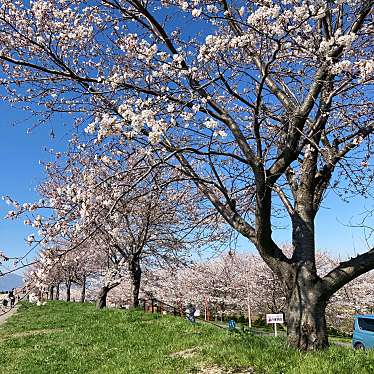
[(274, 318)]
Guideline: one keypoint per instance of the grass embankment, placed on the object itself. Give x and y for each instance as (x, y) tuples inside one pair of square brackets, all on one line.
[(74, 338)]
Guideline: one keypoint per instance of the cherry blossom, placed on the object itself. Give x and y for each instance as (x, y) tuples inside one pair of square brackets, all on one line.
[(283, 85)]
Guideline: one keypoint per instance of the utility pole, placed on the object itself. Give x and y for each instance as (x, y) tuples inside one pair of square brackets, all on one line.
[(249, 306)]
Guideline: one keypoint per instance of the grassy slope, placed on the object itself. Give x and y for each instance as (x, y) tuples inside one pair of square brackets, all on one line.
[(74, 338)]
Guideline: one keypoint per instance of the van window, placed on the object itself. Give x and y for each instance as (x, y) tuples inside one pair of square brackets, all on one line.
[(366, 324)]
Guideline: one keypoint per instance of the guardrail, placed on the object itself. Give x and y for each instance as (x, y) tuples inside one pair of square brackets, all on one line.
[(157, 306)]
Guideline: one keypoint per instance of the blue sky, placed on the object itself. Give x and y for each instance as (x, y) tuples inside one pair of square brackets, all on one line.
[(21, 172)]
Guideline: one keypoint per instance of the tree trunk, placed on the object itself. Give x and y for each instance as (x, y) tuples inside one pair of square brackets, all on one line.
[(305, 317), (135, 274), (68, 288), (112, 280), (306, 298), (58, 291), (83, 293), (101, 299), (50, 296)]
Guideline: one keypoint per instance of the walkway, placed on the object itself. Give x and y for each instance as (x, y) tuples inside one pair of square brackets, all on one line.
[(5, 314)]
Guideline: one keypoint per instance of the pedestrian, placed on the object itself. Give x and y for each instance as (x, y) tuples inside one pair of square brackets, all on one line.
[(12, 298), (190, 311)]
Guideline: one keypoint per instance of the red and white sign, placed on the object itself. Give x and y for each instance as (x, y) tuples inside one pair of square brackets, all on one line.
[(274, 318)]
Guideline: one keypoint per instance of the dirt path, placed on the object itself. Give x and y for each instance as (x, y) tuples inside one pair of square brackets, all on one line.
[(5, 314)]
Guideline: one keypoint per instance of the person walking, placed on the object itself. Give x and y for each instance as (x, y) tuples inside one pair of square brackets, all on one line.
[(190, 311), (12, 298)]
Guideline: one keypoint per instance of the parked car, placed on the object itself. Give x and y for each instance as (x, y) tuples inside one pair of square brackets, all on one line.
[(363, 331)]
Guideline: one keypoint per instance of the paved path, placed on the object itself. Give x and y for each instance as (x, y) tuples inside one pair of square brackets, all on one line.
[(342, 344), (5, 314)]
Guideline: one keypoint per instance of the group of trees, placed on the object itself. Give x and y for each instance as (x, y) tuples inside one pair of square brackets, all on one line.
[(242, 284), (229, 284), (56, 272), (258, 107), (110, 217)]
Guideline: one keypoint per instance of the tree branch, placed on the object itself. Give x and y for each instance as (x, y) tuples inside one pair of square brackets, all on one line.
[(348, 271)]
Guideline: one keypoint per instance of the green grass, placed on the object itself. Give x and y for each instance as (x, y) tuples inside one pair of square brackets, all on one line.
[(340, 339), (74, 338)]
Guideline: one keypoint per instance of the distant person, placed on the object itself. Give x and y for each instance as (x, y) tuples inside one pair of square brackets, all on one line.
[(12, 298), (33, 298), (197, 313), (190, 311)]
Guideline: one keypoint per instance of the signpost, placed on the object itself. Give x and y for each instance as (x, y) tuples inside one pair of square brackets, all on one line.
[(274, 318)]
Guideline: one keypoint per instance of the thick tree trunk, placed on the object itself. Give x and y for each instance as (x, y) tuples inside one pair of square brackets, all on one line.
[(58, 291), (305, 317), (68, 289), (83, 293), (101, 299), (50, 296), (306, 323), (135, 274)]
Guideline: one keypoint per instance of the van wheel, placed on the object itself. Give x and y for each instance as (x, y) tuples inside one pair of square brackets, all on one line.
[(359, 346)]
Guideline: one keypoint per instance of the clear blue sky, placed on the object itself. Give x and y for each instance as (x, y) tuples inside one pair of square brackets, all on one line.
[(20, 170)]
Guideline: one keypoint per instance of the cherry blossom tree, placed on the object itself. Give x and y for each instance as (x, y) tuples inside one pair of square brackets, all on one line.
[(230, 284), (263, 104), (122, 213), (152, 223), (242, 284), (57, 270)]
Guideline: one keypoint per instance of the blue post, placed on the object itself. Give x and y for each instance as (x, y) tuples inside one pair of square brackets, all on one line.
[(231, 325)]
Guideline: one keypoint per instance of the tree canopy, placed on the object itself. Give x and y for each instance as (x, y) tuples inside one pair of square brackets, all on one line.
[(264, 105)]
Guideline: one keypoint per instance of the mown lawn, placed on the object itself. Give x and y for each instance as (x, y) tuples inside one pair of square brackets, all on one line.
[(74, 338)]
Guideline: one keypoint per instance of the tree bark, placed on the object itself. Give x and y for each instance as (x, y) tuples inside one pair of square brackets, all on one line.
[(101, 299), (83, 293), (135, 274), (50, 296), (306, 296), (306, 323), (68, 289), (58, 291), (112, 280)]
